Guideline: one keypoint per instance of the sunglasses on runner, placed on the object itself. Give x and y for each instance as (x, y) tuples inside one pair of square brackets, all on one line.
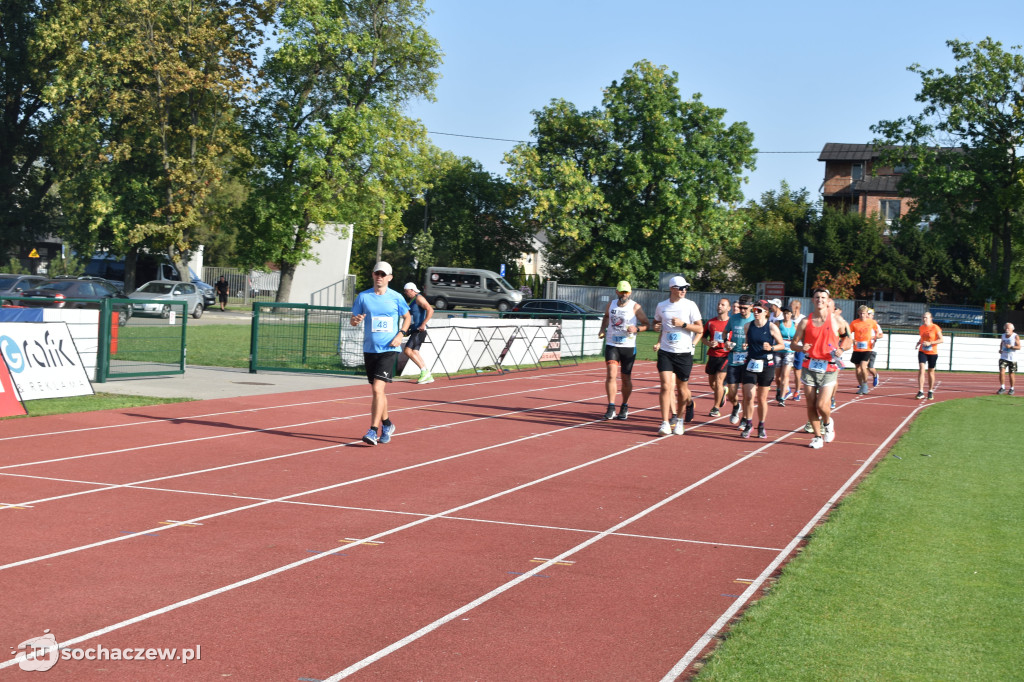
[(380, 273)]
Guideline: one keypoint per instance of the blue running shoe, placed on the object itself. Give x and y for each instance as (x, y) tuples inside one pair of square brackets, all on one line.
[(386, 431), (371, 437), (874, 381)]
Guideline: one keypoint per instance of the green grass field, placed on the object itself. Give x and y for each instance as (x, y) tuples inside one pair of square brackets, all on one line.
[(916, 575)]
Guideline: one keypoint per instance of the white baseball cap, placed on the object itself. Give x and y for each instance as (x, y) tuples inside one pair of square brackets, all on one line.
[(775, 301), (410, 285), (678, 282), (381, 266)]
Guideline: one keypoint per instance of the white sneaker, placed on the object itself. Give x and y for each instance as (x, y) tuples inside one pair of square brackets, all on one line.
[(830, 430), (679, 429), (817, 443), (665, 429), (808, 428)]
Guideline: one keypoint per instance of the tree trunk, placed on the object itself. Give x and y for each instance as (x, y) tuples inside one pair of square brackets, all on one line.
[(284, 289), (131, 259)]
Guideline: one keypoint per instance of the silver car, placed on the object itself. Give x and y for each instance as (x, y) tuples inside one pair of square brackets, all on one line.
[(149, 295)]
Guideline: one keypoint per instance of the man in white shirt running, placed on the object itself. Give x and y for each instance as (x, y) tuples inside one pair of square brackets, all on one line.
[(623, 318), (679, 322)]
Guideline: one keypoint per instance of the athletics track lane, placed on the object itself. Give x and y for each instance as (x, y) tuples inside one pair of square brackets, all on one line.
[(625, 606)]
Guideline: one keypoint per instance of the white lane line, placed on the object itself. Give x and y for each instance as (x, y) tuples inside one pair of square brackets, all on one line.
[(361, 398), (427, 629), (122, 538), (467, 519), (681, 666), (196, 472), (245, 431), (382, 534)]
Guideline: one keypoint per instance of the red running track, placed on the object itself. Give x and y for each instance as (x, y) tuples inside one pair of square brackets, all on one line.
[(506, 532)]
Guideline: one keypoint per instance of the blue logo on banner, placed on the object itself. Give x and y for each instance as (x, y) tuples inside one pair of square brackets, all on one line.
[(951, 315), (15, 360)]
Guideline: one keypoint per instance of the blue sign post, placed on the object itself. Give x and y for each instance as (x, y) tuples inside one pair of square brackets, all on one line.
[(502, 270)]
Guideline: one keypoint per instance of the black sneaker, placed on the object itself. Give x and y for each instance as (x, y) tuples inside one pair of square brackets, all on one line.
[(714, 412), (747, 427), (931, 395), (920, 394), (761, 431), (610, 412), (623, 412), (689, 412)]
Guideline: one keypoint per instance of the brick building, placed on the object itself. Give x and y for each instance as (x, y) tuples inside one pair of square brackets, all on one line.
[(856, 181)]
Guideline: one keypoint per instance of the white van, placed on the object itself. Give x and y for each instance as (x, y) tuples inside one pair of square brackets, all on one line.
[(449, 287)]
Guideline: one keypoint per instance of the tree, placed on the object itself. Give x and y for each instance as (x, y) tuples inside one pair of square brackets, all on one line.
[(638, 186), (146, 94), (961, 153), (474, 219), (26, 177), (331, 143), (771, 247)]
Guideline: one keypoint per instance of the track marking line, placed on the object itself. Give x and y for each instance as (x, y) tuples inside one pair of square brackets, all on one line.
[(684, 663), (248, 431), (412, 524), (427, 629), (334, 486), (538, 560), (361, 541), (160, 420), (182, 523), (135, 484)]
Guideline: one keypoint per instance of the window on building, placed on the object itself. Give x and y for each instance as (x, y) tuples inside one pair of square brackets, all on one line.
[(889, 210), (857, 171)]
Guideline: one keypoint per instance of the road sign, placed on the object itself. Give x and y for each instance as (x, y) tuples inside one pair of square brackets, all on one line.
[(33, 254)]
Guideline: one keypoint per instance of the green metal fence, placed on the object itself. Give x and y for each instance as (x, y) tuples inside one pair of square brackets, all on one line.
[(298, 337), (129, 345)]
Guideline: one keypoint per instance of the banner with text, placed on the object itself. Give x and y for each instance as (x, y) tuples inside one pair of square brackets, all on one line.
[(43, 360), (10, 401)]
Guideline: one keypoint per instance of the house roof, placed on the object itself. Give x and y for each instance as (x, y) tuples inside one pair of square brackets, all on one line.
[(878, 184), (838, 151)]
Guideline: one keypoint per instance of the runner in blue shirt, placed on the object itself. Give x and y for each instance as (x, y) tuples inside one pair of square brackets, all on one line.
[(387, 320), (737, 326)]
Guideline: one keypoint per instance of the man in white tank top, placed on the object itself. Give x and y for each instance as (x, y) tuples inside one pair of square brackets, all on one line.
[(623, 318), (1009, 344)]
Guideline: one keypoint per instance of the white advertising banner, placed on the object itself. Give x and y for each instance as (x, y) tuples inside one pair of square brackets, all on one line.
[(43, 360)]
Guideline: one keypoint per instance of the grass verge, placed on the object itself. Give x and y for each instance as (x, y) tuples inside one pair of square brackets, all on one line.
[(917, 573), (90, 403)]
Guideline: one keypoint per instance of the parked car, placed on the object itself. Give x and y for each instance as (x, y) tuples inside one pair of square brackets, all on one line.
[(77, 293), (147, 298), (15, 284), (538, 307), (148, 267)]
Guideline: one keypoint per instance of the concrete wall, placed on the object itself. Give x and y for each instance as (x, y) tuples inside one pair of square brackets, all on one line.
[(334, 254)]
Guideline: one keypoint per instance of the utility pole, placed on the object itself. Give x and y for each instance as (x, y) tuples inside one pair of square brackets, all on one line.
[(808, 258), (380, 231)]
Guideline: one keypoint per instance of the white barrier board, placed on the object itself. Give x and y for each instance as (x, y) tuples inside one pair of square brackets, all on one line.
[(43, 360)]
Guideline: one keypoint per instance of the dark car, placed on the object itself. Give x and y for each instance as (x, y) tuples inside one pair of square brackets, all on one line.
[(15, 284), (77, 293), (539, 307)]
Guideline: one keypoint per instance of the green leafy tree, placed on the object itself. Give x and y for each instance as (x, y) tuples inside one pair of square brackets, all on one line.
[(26, 176), (962, 155), (332, 145), (637, 186), (771, 247), (146, 94), (475, 219)]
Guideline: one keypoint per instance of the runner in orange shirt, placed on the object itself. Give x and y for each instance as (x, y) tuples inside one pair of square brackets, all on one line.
[(927, 355), (865, 332)]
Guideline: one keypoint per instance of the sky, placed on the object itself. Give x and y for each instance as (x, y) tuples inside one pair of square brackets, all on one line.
[(799, 74)]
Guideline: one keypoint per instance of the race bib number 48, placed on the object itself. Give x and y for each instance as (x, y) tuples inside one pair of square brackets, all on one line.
[(382, 324)]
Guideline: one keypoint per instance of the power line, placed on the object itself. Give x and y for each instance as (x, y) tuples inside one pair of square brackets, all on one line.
[(506, 139)]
